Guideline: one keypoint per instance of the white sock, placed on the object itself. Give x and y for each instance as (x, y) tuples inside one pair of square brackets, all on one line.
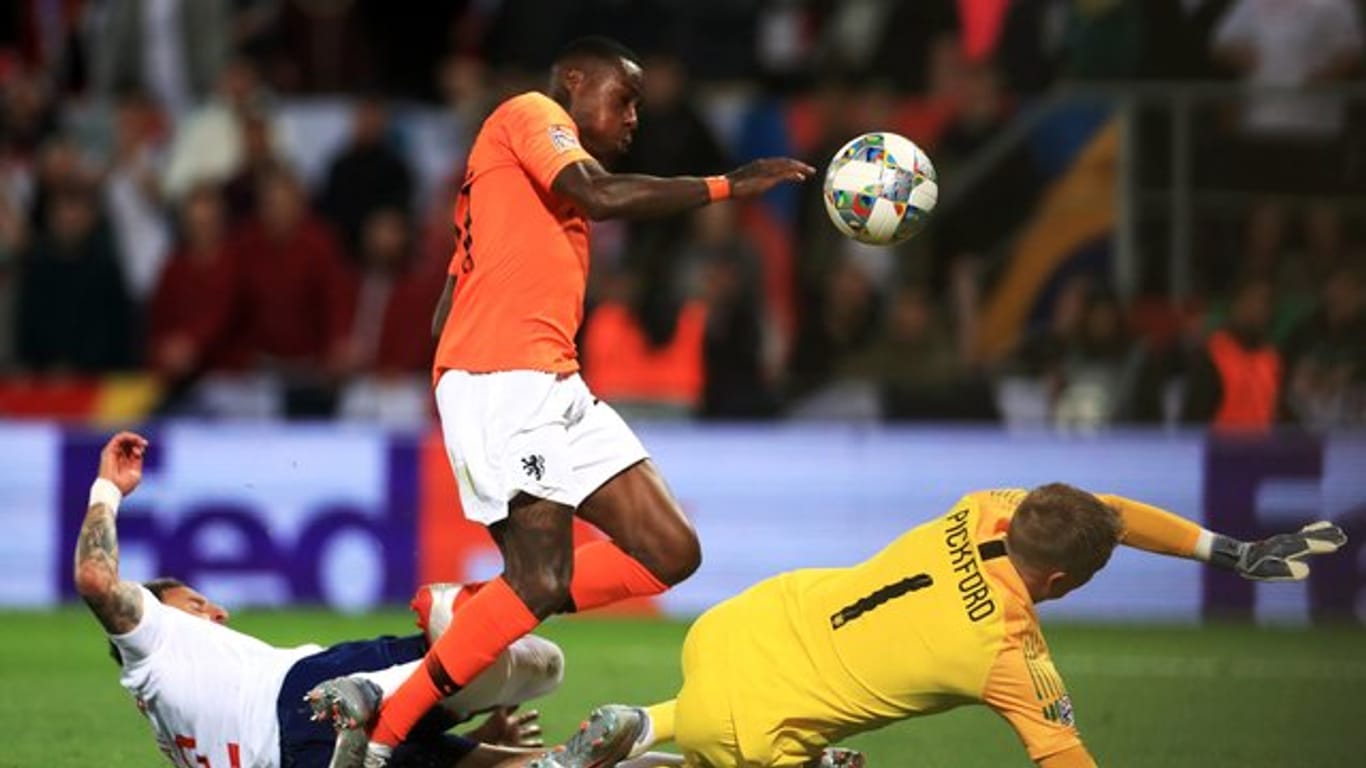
[(652, 760), (646, 739), (390, 678)]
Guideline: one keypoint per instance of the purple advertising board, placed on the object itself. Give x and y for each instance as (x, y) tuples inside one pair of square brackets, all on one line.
[(261, 515), (329, 514)]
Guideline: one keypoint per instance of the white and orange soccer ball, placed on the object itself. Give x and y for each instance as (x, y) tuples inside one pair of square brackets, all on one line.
[(880, 188)]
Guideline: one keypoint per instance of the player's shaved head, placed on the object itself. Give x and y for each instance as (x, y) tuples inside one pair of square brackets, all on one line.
[(1062, 529), (596, 50), (599, 82)]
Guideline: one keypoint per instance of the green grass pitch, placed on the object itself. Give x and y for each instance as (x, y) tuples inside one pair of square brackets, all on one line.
[(1232, 696)]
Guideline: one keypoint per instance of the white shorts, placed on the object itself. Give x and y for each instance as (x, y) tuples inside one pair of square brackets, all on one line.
[(530, 432)]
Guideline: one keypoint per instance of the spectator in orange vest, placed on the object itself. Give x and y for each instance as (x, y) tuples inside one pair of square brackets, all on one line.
[(1235, 383), (625, 369), (639, 377), (644, 354)]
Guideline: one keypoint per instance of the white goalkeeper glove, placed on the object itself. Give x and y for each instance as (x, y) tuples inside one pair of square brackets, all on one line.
[(1280, 557)]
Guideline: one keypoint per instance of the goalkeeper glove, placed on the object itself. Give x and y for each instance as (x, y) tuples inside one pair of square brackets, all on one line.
[(1280, 557)]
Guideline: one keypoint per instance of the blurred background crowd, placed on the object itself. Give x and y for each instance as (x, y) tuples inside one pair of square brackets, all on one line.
[(1151, 212)]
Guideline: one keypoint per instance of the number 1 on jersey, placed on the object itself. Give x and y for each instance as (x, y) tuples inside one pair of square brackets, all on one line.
[(873, 599)]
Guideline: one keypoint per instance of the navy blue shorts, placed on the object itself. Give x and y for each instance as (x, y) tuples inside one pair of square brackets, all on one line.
[(308, 744)]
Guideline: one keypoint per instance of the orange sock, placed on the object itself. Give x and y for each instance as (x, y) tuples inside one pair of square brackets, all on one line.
[(480, 629), (466, 592), (409, 704), (603, 574)]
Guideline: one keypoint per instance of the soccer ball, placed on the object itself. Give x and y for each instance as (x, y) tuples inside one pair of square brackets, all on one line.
[(880, 188)]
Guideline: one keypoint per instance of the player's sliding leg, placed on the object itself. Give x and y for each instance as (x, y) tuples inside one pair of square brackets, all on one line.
[(530, 668), (604, 739), (603, 574), (652, 547), (657, 726), (536, 541), (617, 735), (703, 723), (434, 605), (653, 760), (537, 547), (350, 703)]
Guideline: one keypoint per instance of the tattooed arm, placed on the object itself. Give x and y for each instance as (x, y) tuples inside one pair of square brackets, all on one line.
[(117, 604)]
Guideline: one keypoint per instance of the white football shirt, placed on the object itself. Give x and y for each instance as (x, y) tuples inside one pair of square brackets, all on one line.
[(1292, 41), (208, 691)]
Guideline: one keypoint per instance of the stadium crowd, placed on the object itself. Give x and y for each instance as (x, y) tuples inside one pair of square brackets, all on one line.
[(248, 202)]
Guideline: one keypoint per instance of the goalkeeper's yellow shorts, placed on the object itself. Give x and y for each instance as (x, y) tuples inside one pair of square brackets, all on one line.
[(703, 721), (731, 710)]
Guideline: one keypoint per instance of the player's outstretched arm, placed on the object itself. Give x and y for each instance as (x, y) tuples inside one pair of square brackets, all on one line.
[(117, 604), (1278, 558), (601, 194)]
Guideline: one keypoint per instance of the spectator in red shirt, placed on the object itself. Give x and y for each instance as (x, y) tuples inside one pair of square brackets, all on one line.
[(192, 321), (385, 311), (292, 279)]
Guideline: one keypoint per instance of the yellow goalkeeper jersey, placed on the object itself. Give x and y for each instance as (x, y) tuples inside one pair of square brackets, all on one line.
[(936, 620)]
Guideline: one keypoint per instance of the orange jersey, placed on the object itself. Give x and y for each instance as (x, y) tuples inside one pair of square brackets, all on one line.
[(521, 251)]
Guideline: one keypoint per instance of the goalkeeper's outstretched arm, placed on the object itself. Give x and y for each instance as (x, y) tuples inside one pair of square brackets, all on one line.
[(1278, 558)]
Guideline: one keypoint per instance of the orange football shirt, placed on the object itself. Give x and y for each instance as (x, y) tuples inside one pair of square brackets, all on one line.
[(521, 251)]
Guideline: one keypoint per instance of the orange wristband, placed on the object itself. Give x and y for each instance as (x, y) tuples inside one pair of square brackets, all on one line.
[(718, 187)]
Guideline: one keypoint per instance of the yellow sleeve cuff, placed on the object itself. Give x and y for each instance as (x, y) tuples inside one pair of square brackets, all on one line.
[(1075, 757)]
